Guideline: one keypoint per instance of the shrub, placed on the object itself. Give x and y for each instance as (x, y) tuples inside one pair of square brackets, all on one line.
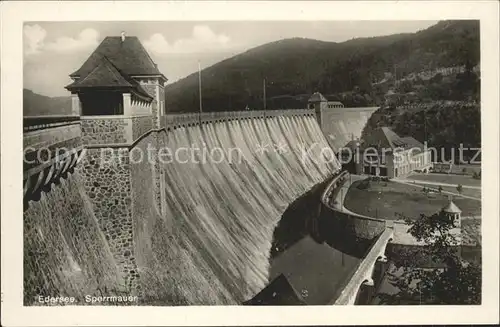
[(364, 184), (476, 175)]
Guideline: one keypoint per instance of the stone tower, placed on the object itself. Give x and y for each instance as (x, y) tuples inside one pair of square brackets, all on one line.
[(317, 102), (118, 93), (453, 212)]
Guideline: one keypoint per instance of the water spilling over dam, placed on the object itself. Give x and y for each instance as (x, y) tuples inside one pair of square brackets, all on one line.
[(210, 242), (174, 209), (65, 251)]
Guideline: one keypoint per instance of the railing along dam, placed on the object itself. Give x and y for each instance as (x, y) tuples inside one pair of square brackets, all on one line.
[(51, 145), (178, 232), (376, 232)]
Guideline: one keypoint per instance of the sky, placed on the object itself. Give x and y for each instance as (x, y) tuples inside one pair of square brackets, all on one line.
[(53, 50)]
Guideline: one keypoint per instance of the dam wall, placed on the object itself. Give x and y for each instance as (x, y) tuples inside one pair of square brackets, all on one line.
[(212, 243), (194, 227), (342, 125), (65, 250)]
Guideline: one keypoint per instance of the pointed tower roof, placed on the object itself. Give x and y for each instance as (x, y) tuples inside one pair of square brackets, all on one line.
[(451, 207), (317, 97), (126, 53)]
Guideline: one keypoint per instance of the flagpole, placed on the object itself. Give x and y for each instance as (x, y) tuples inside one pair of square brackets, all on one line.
[(199, 85), (264, 86)]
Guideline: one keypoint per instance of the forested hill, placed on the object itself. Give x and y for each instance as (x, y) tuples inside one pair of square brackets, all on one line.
[(344, 70), (37, 105)]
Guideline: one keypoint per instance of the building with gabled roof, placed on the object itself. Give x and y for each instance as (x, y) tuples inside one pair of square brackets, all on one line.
[(118, 78), (384, 153)]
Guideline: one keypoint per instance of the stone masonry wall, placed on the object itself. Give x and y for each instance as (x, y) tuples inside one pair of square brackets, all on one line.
[(140, 126), (162, 101), (161, 94), (154, 111), (104, 130), (107, 181), (151, 88)]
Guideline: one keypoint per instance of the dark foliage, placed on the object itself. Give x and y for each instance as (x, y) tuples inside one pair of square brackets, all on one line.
[(443, 126), (451, 280)]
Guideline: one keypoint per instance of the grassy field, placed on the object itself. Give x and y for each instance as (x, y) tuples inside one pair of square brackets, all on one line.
[(469, 169), (389, 200), (465, 191), (448, 179)]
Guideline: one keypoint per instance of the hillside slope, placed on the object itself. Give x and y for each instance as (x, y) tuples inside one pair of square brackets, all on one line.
[(37, 105), (303, 66)]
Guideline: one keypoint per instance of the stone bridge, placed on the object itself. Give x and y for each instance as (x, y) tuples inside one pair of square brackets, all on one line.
[(364, 272)]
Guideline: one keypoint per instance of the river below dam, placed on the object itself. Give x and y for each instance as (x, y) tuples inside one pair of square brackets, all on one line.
[(305, 253), (317, 271)]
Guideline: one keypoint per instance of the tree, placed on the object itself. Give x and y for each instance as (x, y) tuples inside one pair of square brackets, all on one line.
[(459, 188), (440, 189), (451, 280)]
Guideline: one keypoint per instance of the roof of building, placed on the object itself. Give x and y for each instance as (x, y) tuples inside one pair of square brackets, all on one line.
[(112, 65), (317, 97), (384, 137), (451, 208), (412, 142), (392, 138), (107, 75), (128, 55), (278, 292), (352, 145)]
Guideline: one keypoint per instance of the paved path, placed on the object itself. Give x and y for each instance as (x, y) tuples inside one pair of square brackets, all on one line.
[(419, 181), (408, 182), (338, 203)]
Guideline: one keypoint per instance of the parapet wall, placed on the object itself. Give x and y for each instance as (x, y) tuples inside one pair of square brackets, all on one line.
[(193, 119), (52, 145)]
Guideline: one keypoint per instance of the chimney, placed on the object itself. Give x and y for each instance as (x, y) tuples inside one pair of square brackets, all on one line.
[(123, 36)]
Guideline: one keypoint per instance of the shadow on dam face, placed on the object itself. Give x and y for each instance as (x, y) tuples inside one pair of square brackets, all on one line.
[(316, 259)]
